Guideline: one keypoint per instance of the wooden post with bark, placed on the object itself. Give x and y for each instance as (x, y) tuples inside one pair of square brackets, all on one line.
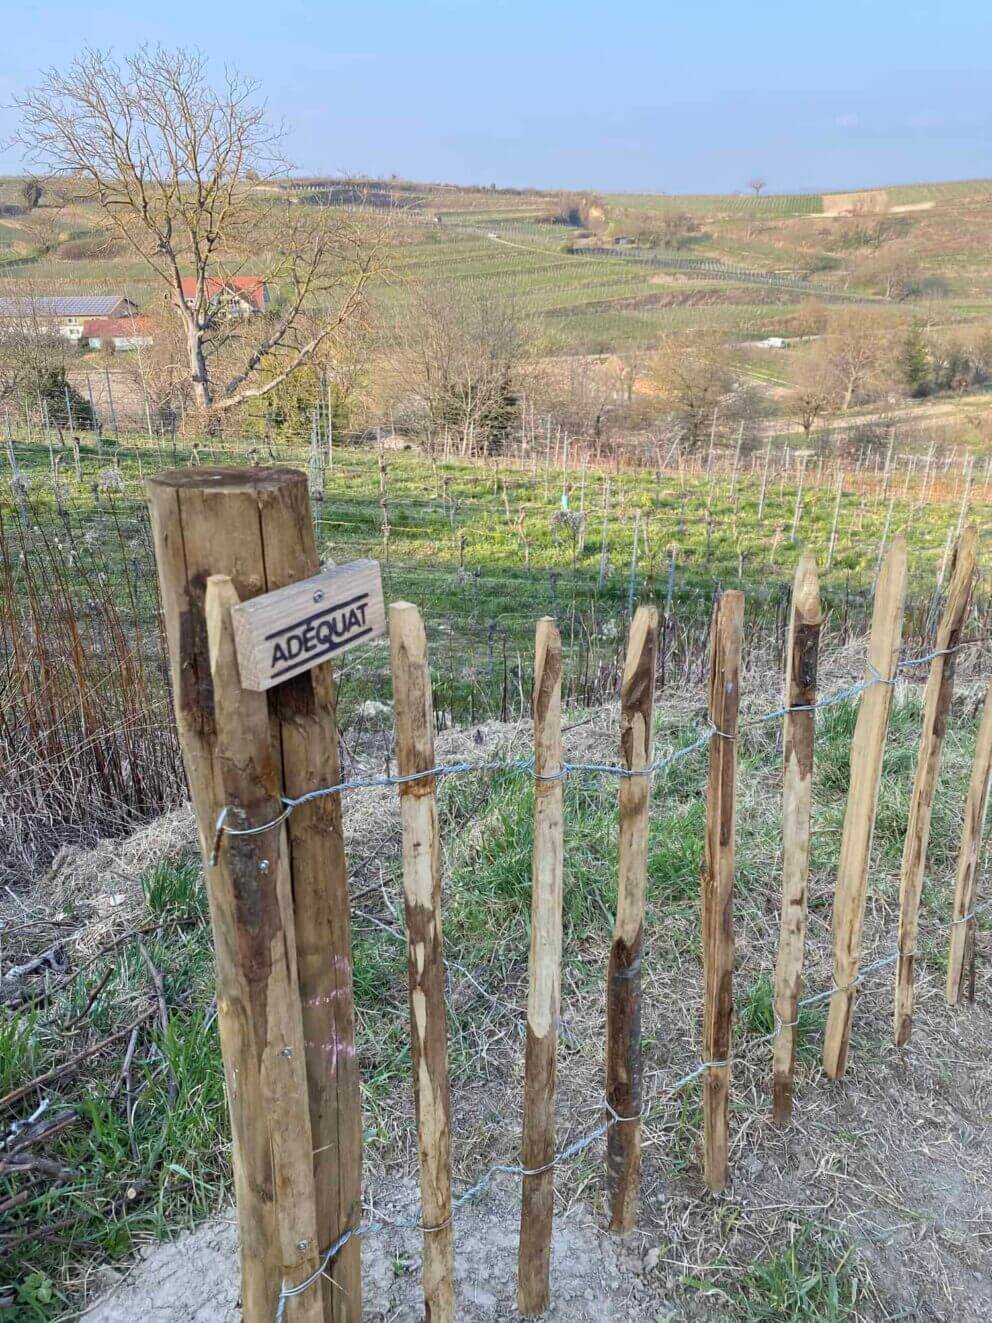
[(717, 882), (544, 994), (414, 722), (936, 708), (623, 984), (867, 749), (962, 945), (254, 526), (271, 1038), (797, 804)]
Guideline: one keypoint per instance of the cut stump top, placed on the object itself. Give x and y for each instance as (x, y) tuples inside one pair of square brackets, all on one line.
[(255, 478)]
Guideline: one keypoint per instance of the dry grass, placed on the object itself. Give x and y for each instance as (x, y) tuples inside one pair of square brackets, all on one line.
[(87, 745)]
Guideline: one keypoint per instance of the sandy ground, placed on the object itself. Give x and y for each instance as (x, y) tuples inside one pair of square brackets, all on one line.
[(195, 1279)]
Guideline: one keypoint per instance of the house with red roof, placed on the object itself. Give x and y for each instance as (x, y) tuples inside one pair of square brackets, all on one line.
[(230, 296), (120, 332)]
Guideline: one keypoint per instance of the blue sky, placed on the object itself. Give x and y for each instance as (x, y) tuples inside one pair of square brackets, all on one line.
[(642, 97)]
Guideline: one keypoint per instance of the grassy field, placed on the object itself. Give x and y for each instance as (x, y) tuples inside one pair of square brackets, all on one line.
[(713, 205), (453, 529), (484, 548), (451, 522)]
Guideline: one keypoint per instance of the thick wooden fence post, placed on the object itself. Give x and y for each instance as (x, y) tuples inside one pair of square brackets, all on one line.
[(797, 804), (304, 728), (717, 882), (623, 984), (936, 707), (414, 719), (966, 888), (255, 525), (544, 994), (264, 964), (867, 750)]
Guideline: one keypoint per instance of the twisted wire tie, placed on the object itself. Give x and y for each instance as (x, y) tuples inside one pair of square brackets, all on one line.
[(965, 918)]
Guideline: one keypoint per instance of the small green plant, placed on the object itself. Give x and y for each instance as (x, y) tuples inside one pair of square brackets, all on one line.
[(175, 888), (757, 1016), (810, 1281)]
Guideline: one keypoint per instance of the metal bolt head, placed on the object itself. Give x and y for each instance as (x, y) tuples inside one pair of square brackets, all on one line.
[(303, 1245), (263, 866), (287, 1051), (319, 595)]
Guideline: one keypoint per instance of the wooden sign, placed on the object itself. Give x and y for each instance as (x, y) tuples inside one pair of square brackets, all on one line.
[(284, 633)]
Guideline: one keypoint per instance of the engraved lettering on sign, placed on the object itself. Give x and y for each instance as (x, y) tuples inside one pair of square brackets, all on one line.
[(287, 631), (319, 635)]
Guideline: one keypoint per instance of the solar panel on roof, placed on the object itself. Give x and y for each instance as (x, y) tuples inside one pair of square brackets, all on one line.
[(61, 305)]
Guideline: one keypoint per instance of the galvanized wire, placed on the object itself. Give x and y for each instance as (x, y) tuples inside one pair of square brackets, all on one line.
[(578, 1146), (567, 769)]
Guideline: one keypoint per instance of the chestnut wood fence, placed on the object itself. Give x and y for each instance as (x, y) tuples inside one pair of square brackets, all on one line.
[(266, 787)]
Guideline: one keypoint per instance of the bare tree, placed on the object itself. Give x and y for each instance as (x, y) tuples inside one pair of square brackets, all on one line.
[(756, 183), (693, 374), (30, 349), (814, 384), (857, 353), (25, 358), (676, 228), (174, 166), (458, 363), (894, 272), (31, 191), (44, 225)]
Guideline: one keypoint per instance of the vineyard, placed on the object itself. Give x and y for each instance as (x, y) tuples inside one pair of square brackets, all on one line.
[(603, 298), (484, 546), (727, 204)]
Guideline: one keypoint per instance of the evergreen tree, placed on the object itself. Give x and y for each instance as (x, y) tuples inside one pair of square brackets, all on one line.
[(914, 360), (61, 396)]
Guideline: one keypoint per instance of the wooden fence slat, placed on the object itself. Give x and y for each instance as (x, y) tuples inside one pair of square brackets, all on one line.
[(962, 942), (797, 804), (204, 522), (867, 749), (623, 984), (544, 993), (264, 960), (717, 882), (414, 720), (936, 707)]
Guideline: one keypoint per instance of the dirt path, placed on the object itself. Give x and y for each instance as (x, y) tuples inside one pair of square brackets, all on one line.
[(945, 411)]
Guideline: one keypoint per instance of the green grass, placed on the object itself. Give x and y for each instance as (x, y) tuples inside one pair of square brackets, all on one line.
[(481, 578), (812, 1280), (138, 1162), (711, 205)]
